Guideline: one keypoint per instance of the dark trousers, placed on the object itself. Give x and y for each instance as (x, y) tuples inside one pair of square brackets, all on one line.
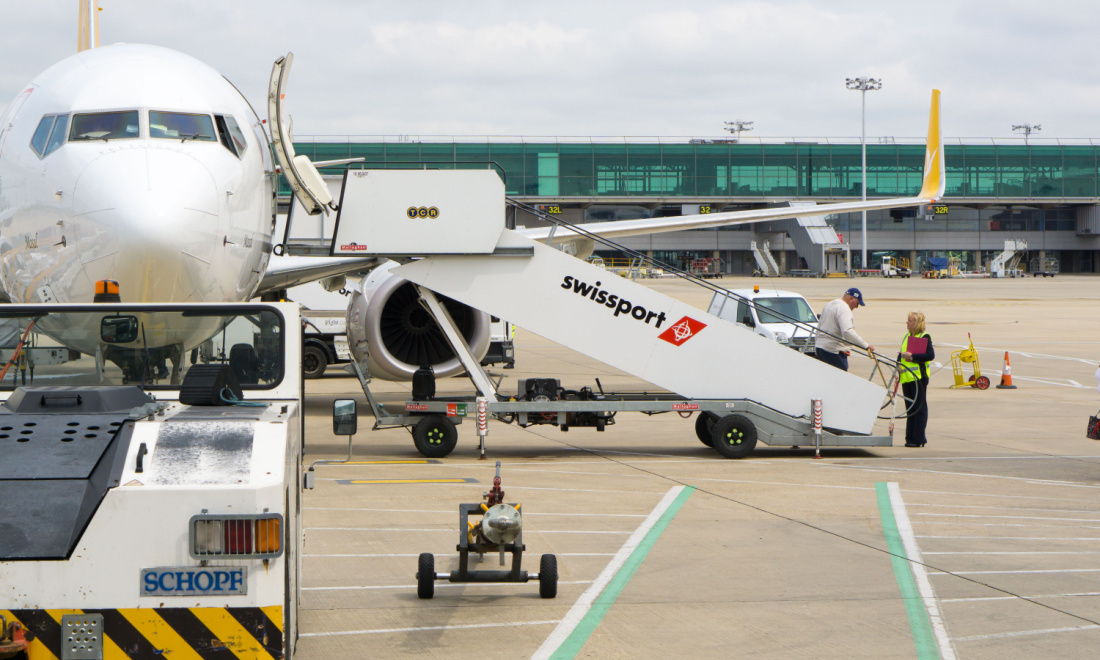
[(917, 392), (838, 360)]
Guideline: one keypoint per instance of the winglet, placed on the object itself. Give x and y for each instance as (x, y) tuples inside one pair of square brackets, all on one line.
[(935, 178)]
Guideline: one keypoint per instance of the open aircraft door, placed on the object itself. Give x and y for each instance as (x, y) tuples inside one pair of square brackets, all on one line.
[(304, 179)]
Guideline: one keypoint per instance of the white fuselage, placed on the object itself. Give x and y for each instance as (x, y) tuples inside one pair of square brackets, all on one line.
[(171, 217)]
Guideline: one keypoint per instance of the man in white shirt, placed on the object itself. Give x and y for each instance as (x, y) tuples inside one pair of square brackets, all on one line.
[(837, 330)]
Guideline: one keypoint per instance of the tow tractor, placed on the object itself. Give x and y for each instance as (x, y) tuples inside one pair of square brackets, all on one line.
[(150, 488)]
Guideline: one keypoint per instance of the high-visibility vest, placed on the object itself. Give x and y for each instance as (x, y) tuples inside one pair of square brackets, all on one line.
[(910, 371)]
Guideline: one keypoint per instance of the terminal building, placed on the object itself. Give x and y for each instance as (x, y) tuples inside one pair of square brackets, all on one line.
[(1046, 193)]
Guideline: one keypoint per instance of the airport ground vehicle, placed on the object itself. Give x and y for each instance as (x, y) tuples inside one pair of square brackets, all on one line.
[(1047, 267), (324, 341), (775, 395), (142, 514), (753, 309), (895, 267)]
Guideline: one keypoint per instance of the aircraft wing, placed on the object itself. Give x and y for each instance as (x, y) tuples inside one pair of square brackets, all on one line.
[(285, 272), (931, 190)]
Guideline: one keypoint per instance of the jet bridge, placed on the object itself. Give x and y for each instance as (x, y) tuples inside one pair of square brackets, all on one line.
[(454, 222)]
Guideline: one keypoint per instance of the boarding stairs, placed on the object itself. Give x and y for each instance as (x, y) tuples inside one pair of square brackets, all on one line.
[(470, 257), (765, 262), (1007, 263), (814, 240)]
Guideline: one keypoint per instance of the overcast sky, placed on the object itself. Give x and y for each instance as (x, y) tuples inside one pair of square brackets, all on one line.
[(637, 68)]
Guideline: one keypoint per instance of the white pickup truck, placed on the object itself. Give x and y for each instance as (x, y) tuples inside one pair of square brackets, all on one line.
[(781, 316)]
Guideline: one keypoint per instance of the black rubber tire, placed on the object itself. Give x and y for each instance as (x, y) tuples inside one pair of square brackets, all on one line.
[(425, 575), (734, 436), (548, 576), (982, 383), (314, 362), (704, 427), (435, 436)]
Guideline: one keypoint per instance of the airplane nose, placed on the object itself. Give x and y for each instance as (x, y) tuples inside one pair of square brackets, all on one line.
[(153, 215)]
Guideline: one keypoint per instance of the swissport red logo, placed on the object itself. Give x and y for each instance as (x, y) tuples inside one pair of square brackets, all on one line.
[(353, 247), (682, 330)]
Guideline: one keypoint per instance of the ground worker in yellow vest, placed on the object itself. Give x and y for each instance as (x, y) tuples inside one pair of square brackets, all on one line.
[(916, 353)]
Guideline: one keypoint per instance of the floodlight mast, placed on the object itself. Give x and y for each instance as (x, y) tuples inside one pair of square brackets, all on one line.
[(737, 127), (863, 85), (1026, 129)]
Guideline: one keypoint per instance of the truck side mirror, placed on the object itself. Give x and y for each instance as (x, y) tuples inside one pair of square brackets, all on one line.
[(344, 417)]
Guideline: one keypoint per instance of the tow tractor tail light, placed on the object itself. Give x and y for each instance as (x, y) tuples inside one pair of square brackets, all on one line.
[(236, 536)]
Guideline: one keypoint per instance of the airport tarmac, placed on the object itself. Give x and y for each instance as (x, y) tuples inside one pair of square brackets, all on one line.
[(984, 544)]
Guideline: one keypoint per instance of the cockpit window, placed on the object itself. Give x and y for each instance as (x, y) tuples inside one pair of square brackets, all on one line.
[(41, 134), (180, 126), (49, 135), (57, 135), (230, 134), (104, 126)]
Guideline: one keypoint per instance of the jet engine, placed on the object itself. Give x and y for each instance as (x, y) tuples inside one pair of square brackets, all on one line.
[(387, 325)]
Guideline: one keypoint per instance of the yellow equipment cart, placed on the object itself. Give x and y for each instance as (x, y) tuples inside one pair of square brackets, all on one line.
[(969, 356)]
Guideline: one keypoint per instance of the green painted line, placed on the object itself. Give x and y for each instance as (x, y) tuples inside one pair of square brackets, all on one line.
[(576, 640), (919, 622)]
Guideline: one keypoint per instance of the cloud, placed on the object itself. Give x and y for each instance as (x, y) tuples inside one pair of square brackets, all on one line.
[(618, 68)]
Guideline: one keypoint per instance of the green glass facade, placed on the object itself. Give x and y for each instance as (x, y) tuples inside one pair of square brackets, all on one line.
[(742, 171)]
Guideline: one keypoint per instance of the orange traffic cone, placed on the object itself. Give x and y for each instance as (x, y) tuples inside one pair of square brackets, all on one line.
[(1006, 376)]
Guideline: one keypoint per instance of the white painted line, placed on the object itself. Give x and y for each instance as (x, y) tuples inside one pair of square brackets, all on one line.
[(984, 516), (451, 513), (383, 631), (958, 474), (981, 598), (920, 573), (1006, 508), (412, 585), (416, 554), (584, 603), (1023, 633), (1028, 355), (1067, 485), (1043, 570), (772, 483), (978, 524), (959, 459), (1037, 552), (511, 488), (448, 531), (1014, 497), (1010, 538)]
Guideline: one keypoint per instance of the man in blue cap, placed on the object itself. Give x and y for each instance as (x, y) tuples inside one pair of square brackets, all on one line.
[(837, 330)]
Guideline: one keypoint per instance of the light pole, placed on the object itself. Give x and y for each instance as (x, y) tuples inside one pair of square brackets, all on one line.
[(737, 127), (1026, 129), (863, 85)]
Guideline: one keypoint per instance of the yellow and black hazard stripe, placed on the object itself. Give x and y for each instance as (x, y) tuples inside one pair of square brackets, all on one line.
[(192, 633)]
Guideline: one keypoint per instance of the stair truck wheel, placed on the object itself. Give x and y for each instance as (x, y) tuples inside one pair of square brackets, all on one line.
[(425, 575), (314, 362), (548, 576), (982, 383), (734, 436), (704, 427), (435, 436)]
